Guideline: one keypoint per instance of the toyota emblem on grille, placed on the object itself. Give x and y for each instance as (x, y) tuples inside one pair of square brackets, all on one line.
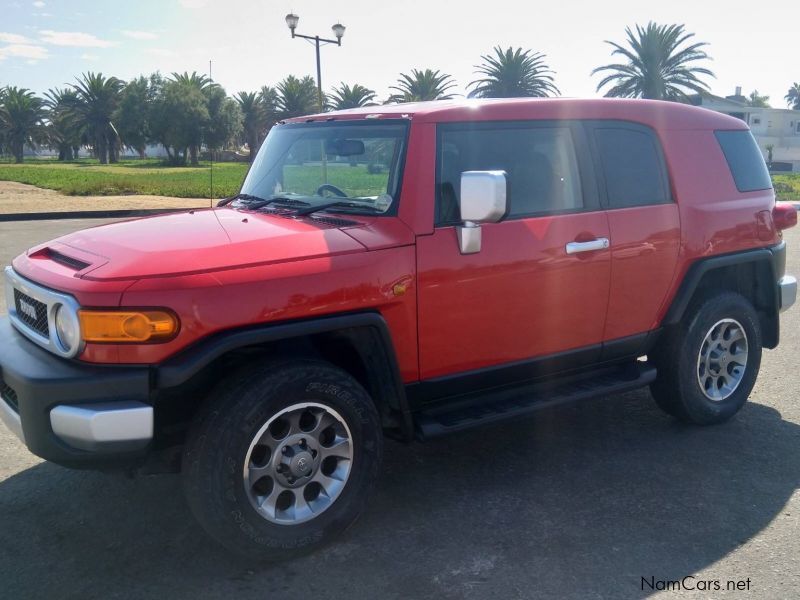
[(28, 309)]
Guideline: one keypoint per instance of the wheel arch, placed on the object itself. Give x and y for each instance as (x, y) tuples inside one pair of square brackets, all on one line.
[(752, 273), (358, 343)]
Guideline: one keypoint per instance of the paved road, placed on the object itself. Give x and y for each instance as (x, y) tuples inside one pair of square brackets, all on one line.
[(580, 502), (18, 236)]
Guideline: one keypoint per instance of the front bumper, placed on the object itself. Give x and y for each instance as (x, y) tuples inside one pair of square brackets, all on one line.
[(71, 413)]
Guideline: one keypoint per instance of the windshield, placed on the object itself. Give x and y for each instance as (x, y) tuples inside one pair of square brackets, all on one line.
[(357, 162)]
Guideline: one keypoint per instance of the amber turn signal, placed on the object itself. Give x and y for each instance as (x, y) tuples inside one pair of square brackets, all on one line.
[(135, 327)]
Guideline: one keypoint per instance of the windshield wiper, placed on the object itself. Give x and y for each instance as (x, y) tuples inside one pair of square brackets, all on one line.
[(276, 200), (256, 202), (343, 203), (245, 197)]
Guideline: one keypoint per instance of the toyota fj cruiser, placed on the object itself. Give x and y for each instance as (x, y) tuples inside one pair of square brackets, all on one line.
[(410, 270)]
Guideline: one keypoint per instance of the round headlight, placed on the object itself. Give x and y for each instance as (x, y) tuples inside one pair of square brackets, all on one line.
[(66, 329)]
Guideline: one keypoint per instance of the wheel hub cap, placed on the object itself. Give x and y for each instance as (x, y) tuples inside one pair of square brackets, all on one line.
[(301, 465), (298, 463), (722, 360)]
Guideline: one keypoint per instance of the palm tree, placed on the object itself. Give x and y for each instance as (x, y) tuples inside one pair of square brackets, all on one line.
[(254, 119), (21, 120), (195, 80), (201, 83), (758, 101), (420, 86), (132, 117), (98, 97), (657, 66), (297, 97), (270, 100), (63, 131), (346, 96), (792, 97), (513, 74), (224, 125)]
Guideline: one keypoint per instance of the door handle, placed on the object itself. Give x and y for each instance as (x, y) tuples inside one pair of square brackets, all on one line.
[(590, 246)]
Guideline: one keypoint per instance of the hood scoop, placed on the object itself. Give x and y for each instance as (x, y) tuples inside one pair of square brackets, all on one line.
[(55, 256), (67, 261)]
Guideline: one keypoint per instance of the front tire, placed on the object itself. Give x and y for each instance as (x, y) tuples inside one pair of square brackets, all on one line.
[(707, 366), (282, 460)]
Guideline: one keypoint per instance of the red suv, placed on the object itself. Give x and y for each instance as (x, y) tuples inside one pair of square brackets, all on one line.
[(408, 270)]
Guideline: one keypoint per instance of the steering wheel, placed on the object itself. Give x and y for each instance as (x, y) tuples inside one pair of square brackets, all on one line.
[(329, 187)]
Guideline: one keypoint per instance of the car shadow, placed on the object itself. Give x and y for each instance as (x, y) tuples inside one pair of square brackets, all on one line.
[(578, 502)]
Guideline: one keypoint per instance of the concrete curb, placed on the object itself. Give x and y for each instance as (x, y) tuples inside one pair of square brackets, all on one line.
[(89, 214)]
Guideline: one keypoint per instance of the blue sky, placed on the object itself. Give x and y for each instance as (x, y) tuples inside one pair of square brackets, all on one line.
[(45, 43)]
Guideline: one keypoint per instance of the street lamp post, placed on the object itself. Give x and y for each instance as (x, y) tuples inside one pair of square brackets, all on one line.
[(338, 30)]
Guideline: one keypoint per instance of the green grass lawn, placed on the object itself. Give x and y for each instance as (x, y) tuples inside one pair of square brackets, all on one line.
[(787, 186), (87, 177), (354, 181), (151, 177)]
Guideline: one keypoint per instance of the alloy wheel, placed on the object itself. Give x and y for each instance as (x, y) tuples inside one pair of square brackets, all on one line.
[(298, 463), (722, 360)]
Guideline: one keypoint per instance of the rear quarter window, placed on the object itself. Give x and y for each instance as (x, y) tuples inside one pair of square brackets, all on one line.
[(744, 160), (632, 166)]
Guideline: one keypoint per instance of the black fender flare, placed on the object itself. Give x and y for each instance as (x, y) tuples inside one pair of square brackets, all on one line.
[(774, 258), (377, 350)]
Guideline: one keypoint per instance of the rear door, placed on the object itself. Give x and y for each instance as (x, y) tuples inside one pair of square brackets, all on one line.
[(644, 226), (526, 294)]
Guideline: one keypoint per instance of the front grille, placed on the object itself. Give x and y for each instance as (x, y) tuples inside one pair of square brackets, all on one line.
[(32, 312), (8, 394)]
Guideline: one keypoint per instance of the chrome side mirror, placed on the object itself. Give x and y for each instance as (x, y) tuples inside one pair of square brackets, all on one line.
[(482, 200)]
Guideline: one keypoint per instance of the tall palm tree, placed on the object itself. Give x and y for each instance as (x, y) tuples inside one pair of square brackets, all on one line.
[(270, 100), (63, 131), (658, 65), (346, 96), (225, 118), (420, 86), (195, 79), (297, 97), (132, 115), (757, 100), (98, 97), (21, 120), (513, 74), (201, 83), (254, 119), (792, 97)]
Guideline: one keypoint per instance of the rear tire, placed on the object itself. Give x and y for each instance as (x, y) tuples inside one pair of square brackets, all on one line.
[(707, 366), (282, 459)]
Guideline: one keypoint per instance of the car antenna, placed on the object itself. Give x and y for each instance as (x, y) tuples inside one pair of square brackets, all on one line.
[(211, 153)]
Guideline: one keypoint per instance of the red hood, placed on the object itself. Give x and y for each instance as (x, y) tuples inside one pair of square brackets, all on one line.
[(199, 242)]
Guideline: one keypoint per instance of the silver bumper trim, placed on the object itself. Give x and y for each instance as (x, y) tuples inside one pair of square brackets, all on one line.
[(92, 426), (10, 419), (787, 285)]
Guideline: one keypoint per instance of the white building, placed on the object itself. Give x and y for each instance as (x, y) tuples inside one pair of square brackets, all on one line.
[(150, 151), (776, 127)]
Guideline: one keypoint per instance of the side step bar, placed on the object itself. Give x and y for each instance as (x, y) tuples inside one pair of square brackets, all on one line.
[(507, 404)]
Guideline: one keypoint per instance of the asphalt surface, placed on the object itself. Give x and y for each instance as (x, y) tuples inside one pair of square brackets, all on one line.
[(578, 502)]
